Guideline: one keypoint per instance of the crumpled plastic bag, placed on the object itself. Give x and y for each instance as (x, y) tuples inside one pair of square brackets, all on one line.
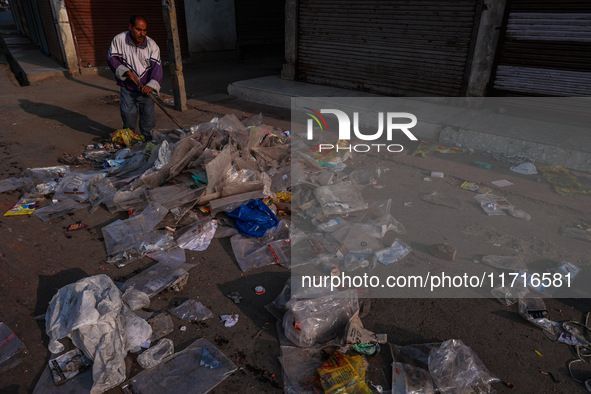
[(317, 320), (254, 218), (92, 314), (455, 368)]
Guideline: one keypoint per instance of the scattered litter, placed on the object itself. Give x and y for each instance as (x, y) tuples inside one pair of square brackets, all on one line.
[(76, 226), (58, 209), (234, 296), (162, 325), (396, 252), (197, 369), (525, 168), (343, 373), (581, 231), (183, 328), (68, 365), (192, 310), (518, 213), (229, 320), (443, 251), (563, 182), (538, 353), (456, 368), (426, 149), (156, 354), (253, 219), (12, 349), (126, 136), (482, 164), (476, 188), (81, 311), (259, 290), (502, 183), (436, 174), (22, 207)]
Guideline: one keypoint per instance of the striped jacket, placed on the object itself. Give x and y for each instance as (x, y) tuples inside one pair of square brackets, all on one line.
[(143, 60)]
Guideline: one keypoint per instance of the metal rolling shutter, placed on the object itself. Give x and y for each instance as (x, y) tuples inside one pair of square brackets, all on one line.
[(53, 42), (260, 27), (95, 22), (408, 48), (546, 50)]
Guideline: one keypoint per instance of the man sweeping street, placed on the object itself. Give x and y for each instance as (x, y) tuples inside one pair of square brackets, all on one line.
[(135, 59)]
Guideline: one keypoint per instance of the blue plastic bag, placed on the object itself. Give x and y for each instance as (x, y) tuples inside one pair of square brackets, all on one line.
[(254, 218)]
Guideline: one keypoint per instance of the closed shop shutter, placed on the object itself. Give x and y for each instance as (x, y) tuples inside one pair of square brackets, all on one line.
[(53, 42), (401, 48), (546, 49), (95, 22), (260, 27)]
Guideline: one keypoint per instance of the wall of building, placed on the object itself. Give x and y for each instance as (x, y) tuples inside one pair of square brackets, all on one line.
[(211, 26)]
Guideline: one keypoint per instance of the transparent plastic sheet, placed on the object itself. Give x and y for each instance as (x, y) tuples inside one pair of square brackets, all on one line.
[(89, 312), (243, 181), (163, 155), (442, 200), (280, 179), (299, 369), (125, 199), (197, 236), (153, 241), (272, 156), (173, 196), (355, 239), (231, 123), (187, 151), (162, 325), (217, 168), (100, 191), (82, 383), (232, 202), (410, 379), (576, 233), (12, 349), (58, 209), (154, 355), (253, 120), (13, 183), (123, 234), (136, 299), (319, 319), (455, 368), (74, 186), (174, 257), (197, 369), (273, 248), (132, 165), (191, 310), (45, 179), (158, 277), (340, 198)]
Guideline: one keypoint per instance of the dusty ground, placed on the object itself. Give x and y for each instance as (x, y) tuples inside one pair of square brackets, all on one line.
[(38, 124)]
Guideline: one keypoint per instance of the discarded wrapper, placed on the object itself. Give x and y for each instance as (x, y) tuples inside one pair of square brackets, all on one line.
[(76, 226), (22, 207)]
